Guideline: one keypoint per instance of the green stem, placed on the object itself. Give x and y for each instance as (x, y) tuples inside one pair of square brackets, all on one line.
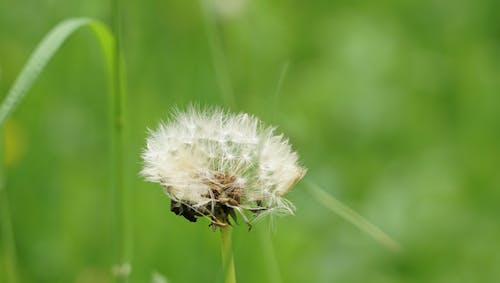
[(270, 257), (8, 240), (120, 192), (218, 56), (110, 46), (353, 217), (277, 92), (227, 255)]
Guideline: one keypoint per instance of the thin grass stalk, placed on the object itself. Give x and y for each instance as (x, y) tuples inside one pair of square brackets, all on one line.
[(279, 87), (224, 82), (37, 61), (270, 258), (227, 255), (274, 272), (352, 216), (8, 239), (9, 244), (217, 53), (121, 231)]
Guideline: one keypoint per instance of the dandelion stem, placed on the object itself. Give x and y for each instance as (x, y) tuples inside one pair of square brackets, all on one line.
[(227, 255)]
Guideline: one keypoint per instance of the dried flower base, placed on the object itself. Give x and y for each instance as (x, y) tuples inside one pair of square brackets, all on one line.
[(226, 198)]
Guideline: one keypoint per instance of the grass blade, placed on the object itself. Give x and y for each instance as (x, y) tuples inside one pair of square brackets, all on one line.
[(352, 216), (43, 53), (121, 207)]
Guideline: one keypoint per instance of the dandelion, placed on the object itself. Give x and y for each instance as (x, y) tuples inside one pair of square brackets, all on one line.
[(218, 165)]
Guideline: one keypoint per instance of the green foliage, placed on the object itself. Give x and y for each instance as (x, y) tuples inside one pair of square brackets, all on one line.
[(33, 68), (44, 52)]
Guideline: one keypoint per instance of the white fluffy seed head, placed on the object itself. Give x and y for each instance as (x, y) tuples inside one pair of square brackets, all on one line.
[(189, 154)]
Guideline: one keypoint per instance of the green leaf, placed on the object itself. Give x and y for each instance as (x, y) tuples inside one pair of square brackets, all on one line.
[(37, 62), (46, 50)]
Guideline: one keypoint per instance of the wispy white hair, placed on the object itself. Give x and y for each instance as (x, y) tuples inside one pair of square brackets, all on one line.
[(187, 153)]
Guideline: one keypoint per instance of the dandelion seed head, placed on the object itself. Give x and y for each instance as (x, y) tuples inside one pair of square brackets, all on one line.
[(210, 162)]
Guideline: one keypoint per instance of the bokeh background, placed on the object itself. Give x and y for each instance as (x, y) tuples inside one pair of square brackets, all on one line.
[(393, 105)]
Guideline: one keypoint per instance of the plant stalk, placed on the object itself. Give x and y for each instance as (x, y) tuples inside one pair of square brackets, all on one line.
[(353, 217), (42, 54), (121, 233), (217, 53), (227, 255), (8, 239), (270, 257)]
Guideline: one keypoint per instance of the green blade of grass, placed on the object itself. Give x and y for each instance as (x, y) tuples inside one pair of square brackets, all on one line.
[(120, 192), (43, 53), (352, 216)]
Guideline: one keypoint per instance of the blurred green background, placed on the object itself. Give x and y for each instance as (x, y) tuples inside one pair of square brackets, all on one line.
[(394, 106)]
